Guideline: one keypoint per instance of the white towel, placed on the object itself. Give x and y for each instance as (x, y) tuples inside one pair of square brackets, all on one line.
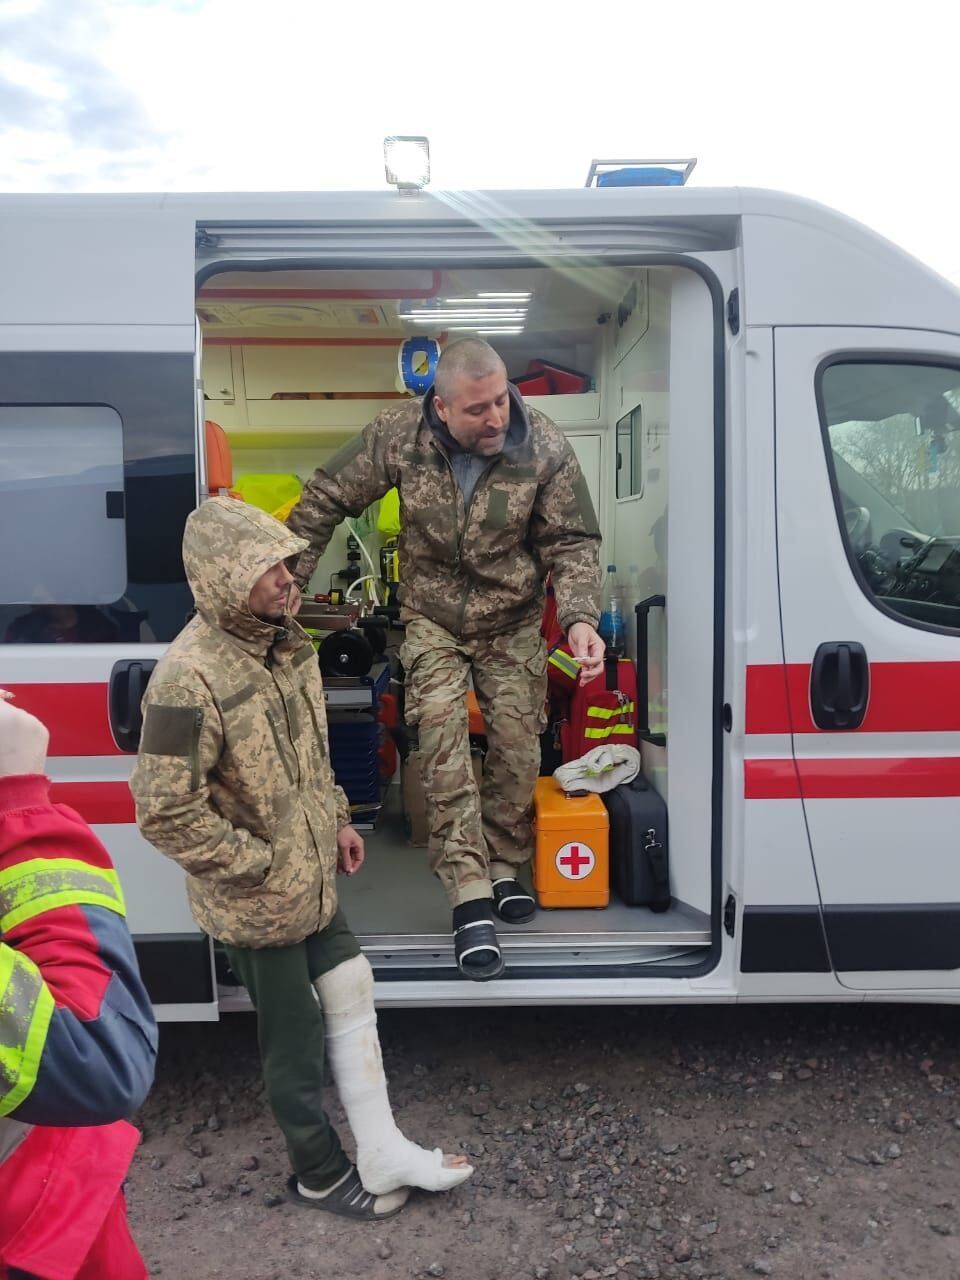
[(601, 769)]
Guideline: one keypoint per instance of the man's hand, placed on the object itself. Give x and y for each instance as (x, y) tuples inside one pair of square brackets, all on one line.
[(587, 647), (351, 851), (23, 740), (294, 600)]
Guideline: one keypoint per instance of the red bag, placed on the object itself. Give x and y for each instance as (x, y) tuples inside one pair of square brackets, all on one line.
[(563, 669), (601, 712)]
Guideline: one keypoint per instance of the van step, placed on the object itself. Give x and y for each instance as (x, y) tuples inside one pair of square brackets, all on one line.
[(533, 955)]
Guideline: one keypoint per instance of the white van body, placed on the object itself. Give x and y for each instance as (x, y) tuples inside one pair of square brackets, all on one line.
[(769, 438)]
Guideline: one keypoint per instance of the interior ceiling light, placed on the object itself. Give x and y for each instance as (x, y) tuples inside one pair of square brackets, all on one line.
[(482, 312)]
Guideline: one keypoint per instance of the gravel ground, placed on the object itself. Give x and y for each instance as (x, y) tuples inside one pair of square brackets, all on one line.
[(693, 1142)]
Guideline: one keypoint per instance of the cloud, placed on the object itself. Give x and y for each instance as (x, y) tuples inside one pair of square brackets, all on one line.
[(54, 83)]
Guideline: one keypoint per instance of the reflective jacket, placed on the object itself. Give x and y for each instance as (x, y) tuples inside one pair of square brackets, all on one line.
[(78, 1040)]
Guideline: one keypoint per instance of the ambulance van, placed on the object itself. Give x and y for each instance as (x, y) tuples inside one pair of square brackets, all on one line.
[(764, 397)]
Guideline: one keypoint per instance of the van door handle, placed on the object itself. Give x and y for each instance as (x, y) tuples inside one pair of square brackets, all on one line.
[(839, 685), (128, 684), (642, 610)]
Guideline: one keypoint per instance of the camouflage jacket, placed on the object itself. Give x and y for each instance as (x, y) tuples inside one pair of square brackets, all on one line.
[(474, 568), (233, 780)]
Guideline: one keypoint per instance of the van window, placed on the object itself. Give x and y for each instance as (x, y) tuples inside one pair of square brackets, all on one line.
[(61, 508), (893, 434)]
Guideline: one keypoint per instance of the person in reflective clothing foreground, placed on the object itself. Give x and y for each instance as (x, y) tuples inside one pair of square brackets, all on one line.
[(78, 1041)]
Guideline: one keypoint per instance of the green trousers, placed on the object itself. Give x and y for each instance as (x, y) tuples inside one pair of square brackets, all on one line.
[(290, 1035)]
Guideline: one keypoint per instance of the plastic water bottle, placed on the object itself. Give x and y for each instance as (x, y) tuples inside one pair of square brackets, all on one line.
[(611, 627)]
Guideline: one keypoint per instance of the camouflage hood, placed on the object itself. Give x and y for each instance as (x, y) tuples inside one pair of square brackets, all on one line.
[(227, 546)]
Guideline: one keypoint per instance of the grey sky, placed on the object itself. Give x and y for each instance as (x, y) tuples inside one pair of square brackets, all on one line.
[(851, 103)]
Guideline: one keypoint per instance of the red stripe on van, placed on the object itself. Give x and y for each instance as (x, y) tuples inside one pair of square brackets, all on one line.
[(905, 697), (875, 778), (96, 802), (767, 708), (76, 714)]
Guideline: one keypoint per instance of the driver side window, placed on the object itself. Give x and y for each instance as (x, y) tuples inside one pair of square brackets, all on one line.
[(892, 429)]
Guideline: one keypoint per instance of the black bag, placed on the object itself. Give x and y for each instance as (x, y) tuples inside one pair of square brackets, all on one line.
[(639, 866)]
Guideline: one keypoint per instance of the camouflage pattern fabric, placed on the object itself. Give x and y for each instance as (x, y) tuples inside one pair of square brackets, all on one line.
[(233, 779), (476, 569), (476, 837)]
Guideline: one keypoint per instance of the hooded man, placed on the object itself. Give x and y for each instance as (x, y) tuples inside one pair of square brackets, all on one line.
[(234, 782), (492, 499)]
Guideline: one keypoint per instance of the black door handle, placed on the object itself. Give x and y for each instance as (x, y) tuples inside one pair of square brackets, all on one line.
[(128, 684), (839, 685), (642, 610)]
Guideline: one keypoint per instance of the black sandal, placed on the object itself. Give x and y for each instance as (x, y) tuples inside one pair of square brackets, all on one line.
[(475, 942), (348, 1197), (511, 901)]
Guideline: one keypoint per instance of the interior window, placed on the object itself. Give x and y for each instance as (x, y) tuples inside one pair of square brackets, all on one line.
[(629, 454), (892, 429)]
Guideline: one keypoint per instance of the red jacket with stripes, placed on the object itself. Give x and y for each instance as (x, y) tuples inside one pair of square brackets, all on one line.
[(77, 1035)]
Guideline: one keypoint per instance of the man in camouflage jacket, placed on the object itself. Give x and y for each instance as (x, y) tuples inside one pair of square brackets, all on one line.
[(492, 499), (233, 781)]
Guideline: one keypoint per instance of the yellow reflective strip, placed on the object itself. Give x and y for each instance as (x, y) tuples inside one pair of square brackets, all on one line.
[(25, 1001), (7, 957), (30, 888), (608, 729), (608, 713), (566, 662)]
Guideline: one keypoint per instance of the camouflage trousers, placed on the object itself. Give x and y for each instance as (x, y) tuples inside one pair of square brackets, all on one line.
[(476, 836)]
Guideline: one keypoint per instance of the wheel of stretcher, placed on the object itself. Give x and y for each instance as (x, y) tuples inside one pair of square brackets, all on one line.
[(345, 653)]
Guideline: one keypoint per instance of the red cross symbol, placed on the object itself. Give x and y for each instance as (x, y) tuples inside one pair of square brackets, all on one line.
[(575, 861)]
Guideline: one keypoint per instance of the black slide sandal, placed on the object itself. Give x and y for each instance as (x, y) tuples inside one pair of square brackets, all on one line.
[(475, 944), (348, 1198), (511, 901)]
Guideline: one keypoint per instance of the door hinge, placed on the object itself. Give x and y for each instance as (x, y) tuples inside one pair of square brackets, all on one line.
[(733, 311), (729, 915)]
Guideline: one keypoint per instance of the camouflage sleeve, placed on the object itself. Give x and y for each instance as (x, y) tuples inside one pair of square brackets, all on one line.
[(353, 478), (344, 817), (566, 538), (181, 742)]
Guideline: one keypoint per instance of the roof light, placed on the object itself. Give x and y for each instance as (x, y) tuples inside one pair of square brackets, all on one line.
[(407, 161), (640, 173), (493, 299), (473, 328), (481, 313)]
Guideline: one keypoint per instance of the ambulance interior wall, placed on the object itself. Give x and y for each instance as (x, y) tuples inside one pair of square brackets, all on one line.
[(301, 459), (660, 362), (637, 543)]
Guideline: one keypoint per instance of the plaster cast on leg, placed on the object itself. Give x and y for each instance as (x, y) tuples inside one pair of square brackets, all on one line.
[(385, 1158)]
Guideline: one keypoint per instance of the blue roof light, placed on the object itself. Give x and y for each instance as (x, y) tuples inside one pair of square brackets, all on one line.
[(639, 173), (649, 176)]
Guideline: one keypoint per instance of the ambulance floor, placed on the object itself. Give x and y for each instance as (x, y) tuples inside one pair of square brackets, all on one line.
[(400, 915)]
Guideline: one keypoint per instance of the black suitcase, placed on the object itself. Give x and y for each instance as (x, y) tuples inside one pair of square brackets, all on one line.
[(639, 867)]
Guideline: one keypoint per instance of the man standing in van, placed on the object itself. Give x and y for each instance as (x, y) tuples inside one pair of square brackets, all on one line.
[(233, 781), (492, 499)]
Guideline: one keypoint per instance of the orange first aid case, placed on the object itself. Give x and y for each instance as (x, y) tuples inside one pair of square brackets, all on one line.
[(571, 863)]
